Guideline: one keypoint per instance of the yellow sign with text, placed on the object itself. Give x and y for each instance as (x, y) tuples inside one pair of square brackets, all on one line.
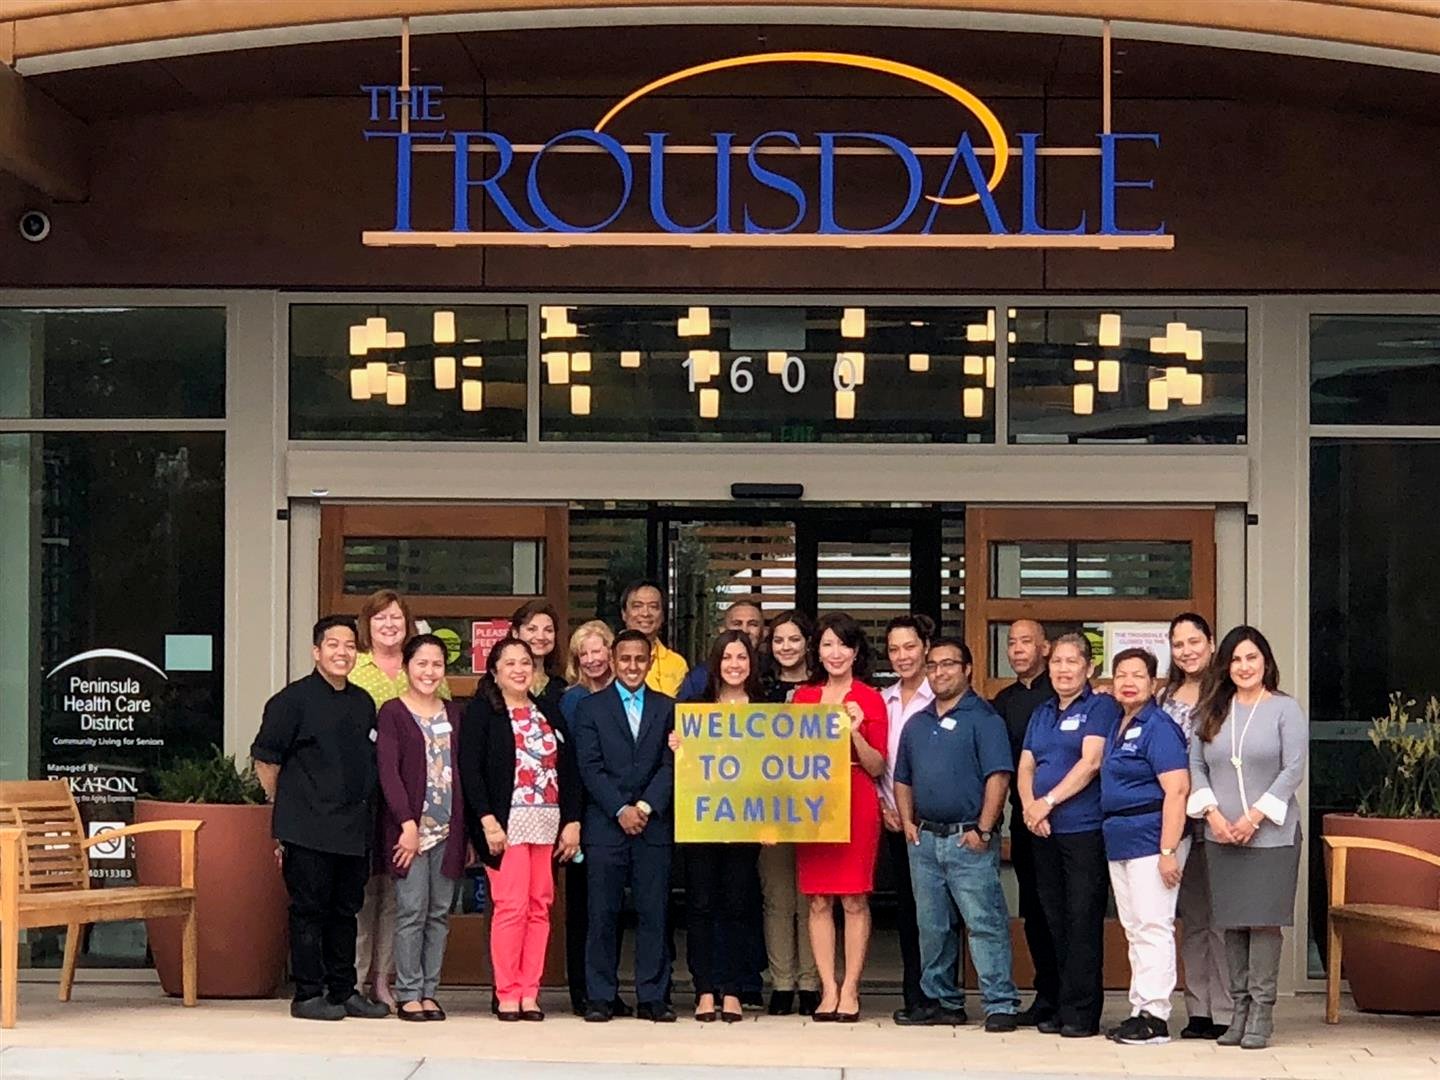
[(768, 773)]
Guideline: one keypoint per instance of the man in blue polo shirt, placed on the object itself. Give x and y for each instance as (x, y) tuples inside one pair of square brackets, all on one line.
[(952, 770)]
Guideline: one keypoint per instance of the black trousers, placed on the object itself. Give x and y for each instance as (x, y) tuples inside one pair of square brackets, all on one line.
[(896, 851), (1073, 881), (577, 917), (720, 924), (1037, 928), (645, 869), (326, 893)]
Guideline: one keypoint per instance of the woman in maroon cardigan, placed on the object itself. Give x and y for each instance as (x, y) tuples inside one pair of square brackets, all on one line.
[(522, 796), (422, 822)]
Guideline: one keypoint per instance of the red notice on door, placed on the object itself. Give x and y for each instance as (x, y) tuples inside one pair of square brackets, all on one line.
[(484, 633)]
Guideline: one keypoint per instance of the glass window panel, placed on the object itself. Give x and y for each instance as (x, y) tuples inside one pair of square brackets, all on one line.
[(721, 374), (467, 385), (869, 579), (607, 552), (1147, 569), (450, 566), (109, 542), (714, 564), (1375, 369), (1374, 615), (1165, 375), (103, 363)]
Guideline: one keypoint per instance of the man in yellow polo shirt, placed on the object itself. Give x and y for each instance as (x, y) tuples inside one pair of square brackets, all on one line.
[(642, 608)]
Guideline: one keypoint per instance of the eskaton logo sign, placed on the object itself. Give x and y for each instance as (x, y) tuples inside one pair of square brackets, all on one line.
[(917, 219)]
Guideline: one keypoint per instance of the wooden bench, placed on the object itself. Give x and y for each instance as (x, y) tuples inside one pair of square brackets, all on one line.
[(45, 881), (1396, 923)]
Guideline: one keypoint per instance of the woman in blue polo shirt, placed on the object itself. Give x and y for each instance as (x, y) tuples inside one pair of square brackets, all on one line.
[(1060, 797), (1144, 782)]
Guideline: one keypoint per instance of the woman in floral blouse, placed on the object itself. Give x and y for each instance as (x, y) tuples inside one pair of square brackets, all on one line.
[(522, 800)]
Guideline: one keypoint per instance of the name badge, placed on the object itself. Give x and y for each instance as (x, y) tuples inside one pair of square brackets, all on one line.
[(948, 723), (1133, 733), (374, 734), (1072, 724), (442, 728)]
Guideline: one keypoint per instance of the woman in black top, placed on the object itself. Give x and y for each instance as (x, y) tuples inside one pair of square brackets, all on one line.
[(522, 807), (538, 625)]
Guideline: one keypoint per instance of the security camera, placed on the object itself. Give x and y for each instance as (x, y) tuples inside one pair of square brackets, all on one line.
[(34, 225)]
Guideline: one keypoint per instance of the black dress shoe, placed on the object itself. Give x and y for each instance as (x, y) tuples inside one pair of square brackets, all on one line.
[(809, 1002), (731, 1017), (511, 1016), (1034, 1016), (929, 1014), (619, 1007), (824, 1017), (598, 1012), (752, 999), (533, 1016), (782, 1002), (707, 1017), (848, 1018), (1197, 1027), (412, 1015), (316, 1008), (657, 1012), (1078, 1031), (435, 1012), (1049, 1026), (1001, 1022), (494, 1005), (364, 1008)]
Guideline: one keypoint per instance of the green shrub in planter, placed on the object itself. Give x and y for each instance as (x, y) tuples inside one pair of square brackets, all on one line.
[(1409, 749), (214, 778)]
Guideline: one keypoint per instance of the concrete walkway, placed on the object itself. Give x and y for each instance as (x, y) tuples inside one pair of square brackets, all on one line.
[(134, 1033)]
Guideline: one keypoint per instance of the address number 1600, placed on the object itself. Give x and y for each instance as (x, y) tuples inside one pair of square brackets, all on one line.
[(792, 374)]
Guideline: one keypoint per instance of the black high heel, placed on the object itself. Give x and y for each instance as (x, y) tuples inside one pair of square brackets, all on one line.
[(731, 1017), (707, 1017)]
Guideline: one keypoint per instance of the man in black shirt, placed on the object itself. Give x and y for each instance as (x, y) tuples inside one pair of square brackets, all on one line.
[(1029, 654), (315, 757)]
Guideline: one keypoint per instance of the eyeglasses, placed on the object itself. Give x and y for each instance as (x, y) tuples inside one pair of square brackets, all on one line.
[(943, 665)]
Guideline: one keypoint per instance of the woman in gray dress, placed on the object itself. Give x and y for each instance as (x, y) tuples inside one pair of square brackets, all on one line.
[(1246, 762)]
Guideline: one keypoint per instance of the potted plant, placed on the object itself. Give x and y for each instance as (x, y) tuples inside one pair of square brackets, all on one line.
[(1403, 806), (241, 905)]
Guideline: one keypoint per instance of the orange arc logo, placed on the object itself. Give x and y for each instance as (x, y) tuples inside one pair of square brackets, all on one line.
[(942, 85)]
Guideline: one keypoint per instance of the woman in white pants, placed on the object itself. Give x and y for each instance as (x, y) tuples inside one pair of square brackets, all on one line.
[(1144, 782), (1202, 945)]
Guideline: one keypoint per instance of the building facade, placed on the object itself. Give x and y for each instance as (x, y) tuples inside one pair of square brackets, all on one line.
[(1183, 354)]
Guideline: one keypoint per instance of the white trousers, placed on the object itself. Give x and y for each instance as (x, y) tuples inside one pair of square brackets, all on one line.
[(1147, 912), (1202, 947)]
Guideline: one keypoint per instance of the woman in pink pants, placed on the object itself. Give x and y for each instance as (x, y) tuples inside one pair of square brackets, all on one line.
[(522, 800)]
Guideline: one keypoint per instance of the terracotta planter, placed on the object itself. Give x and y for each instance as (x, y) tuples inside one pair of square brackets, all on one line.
[(1386, 977), (242, 901)]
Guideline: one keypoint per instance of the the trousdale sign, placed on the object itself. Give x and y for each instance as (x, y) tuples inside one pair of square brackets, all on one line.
[(971, 176)]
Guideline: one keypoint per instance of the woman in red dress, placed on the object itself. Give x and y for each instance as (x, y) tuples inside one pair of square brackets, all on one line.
[(840, 657)]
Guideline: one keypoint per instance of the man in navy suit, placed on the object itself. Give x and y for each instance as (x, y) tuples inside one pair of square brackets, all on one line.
[(629, 775)]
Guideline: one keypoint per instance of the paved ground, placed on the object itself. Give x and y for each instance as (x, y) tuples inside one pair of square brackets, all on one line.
[(134, 1033)]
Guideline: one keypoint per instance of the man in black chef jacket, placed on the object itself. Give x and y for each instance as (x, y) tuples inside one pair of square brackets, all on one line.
[(315, 757)]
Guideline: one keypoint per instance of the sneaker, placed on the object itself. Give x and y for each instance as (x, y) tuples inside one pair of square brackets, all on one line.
[(1143, 1030), (1001, 1022), (316, 1008), (362, 1007)]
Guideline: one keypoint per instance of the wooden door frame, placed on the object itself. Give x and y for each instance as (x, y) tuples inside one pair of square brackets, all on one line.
[(985, 526)]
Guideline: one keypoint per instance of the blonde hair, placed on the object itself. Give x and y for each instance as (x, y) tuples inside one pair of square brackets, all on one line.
[(593, 628), (374, 604)]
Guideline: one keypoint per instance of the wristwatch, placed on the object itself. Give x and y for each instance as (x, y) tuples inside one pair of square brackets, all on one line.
[(643, 807), (984, 834), (1048, 800), (1167, 851)]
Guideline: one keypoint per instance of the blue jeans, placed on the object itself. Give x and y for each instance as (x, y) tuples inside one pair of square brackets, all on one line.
[(942, 868)]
